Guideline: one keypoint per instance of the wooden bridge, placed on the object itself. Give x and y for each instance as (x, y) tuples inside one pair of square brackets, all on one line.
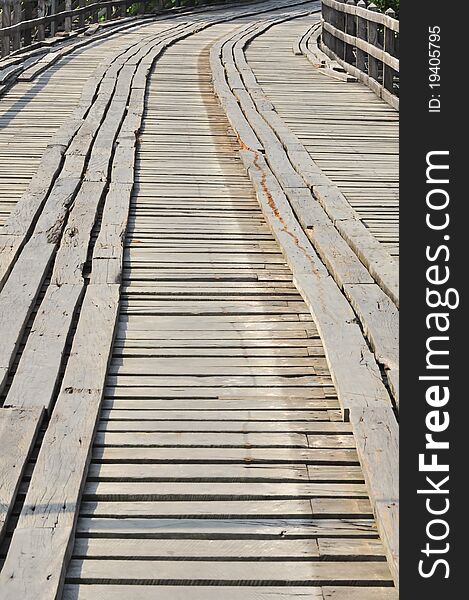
[(198, 301)]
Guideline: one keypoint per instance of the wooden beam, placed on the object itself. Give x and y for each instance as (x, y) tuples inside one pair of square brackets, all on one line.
[(18, 431)]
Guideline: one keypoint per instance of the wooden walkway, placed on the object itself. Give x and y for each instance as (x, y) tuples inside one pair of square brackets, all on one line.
[(32, 111), (198, 365), (350, 134)]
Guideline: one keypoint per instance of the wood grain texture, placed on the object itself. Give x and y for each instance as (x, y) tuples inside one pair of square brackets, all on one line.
[(197, 427), (302, 260), (48, 517), (18, 430)]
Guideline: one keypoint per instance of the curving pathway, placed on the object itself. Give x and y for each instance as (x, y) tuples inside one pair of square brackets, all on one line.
[(173, 346)]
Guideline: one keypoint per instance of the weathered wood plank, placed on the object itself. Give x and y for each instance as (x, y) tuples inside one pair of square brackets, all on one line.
[(73, 251), (45, 527), (227, 528), (21, 220), (112, 571), (193, 472), (350, 593), (376, 435), (18, 296), (18, 431), (208, 439), (295, 508), (38, 370), (149, 491), (183, 592), (322, 462), (96, 548), (211, 426)]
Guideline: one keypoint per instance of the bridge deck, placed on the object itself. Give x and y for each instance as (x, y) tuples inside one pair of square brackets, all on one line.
[(32, 111), (349, 132), (181, 414)]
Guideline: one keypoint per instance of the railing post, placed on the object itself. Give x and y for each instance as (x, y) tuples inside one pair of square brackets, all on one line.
[(95, 15), (81, 16), (68, 20), (28, 14), (53, 24), (340, 24), (389, 47), (41, 12), (373, 63), (16, 36), (326, 37), (362, 33), (350, 28), (6, 22)]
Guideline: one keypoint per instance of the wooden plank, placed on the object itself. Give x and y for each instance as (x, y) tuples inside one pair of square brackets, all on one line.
[(350, 593), (61, 140), (18, 431), (135, 368), (341, 262), (383, 269), (376, 434), (73, 251), (18, 296), (174, 391), (208, 439), (381, 324), (230, 381), (46, 237), (210, 426), (144, 413), (111, 571), (183, 592), (21, 220), (193, 472), (294, 508), (322, 461), (227, 528), (332, 118), (207, 407), (149, 491), (143, 549), (45, 528), (39, 367), (336, 548)]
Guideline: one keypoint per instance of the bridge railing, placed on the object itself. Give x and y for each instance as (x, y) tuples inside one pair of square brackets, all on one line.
[(365, 42), (26, 22)]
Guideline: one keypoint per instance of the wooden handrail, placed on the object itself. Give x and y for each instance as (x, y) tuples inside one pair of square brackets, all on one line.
[(365, 42), (22, 25), (370, 49), (365, 13), (19, 30)]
